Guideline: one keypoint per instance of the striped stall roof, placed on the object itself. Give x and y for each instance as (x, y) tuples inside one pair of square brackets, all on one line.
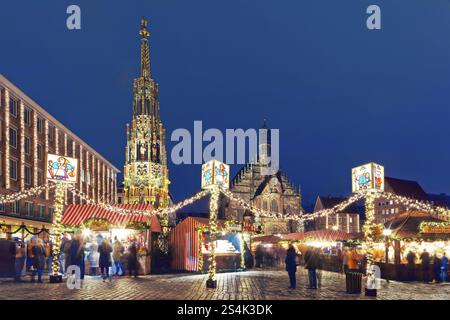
[(77, 214)]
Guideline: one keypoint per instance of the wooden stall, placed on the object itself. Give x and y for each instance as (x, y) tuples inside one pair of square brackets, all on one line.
[(189, 250)]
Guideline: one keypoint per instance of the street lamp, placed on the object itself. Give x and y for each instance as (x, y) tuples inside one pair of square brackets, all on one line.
[(387, 232)]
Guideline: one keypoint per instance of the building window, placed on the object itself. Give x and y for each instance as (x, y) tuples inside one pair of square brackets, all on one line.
[(69, 147), (39, 152), (13, 137), (40, 124), (82, 175), (41, 211), (50, 211), (29, 208), (16, 207), (274, 206), (27, 117), (2, 207), (27, 175), (13, 107), (27, 145), (51, 131), (40, 178), (89, 178), (13, 169), (265, 206)]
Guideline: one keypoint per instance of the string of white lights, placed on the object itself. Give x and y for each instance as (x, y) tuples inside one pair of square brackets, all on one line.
[(9, 198), (152, 212)]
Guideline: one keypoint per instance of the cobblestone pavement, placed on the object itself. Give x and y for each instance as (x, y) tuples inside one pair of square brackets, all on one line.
[(247, 285)]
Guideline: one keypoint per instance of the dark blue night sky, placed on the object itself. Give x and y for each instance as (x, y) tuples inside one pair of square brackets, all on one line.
[(341, 95)]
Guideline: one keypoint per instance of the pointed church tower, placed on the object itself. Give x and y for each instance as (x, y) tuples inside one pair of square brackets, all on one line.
[(264, 144), (145, 170)]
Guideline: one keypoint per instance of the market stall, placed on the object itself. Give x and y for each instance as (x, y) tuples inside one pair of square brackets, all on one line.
[(190, 245), (416, 232), (96, 224), (332, 243)]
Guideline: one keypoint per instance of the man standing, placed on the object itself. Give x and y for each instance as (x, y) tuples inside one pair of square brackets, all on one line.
[(411, 258), (312, 263), (425, 258), (291, 266), (133, 263)]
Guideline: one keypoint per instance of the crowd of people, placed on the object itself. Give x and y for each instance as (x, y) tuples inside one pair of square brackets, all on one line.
[(102, 256), (436, 271), (354, 262)]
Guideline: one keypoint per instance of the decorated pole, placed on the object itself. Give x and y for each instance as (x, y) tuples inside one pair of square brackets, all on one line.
[(56, 276), (369, 178), (213, 207), (215, 177), (62, 171)]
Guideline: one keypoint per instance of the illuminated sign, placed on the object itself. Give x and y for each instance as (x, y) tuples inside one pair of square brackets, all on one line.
[(61, 168), (368, 177), (215, 173), (435, 227)]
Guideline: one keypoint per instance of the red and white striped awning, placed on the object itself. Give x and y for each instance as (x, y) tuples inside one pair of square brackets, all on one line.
[(77, 214)]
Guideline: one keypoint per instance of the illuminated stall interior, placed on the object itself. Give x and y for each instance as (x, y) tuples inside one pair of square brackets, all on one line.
[(96, 223), (190, 245)]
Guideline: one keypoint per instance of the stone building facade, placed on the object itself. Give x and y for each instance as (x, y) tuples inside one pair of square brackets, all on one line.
[(275, 193), (347, 220), (27, 134)]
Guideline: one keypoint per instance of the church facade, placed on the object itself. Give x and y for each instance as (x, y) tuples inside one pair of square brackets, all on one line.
[(146, 177), (274, 192)]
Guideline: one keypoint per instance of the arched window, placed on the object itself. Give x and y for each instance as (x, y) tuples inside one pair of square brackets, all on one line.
[(265, 206), (274, 206)]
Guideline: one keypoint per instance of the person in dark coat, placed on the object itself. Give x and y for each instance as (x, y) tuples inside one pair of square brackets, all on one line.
[(76, 253), (259, 256), (291, 265), (38, 260), (20, 253), (312, 262), (436, 269), (104, 251), (133, 264), (411, 258), (425, 258)]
